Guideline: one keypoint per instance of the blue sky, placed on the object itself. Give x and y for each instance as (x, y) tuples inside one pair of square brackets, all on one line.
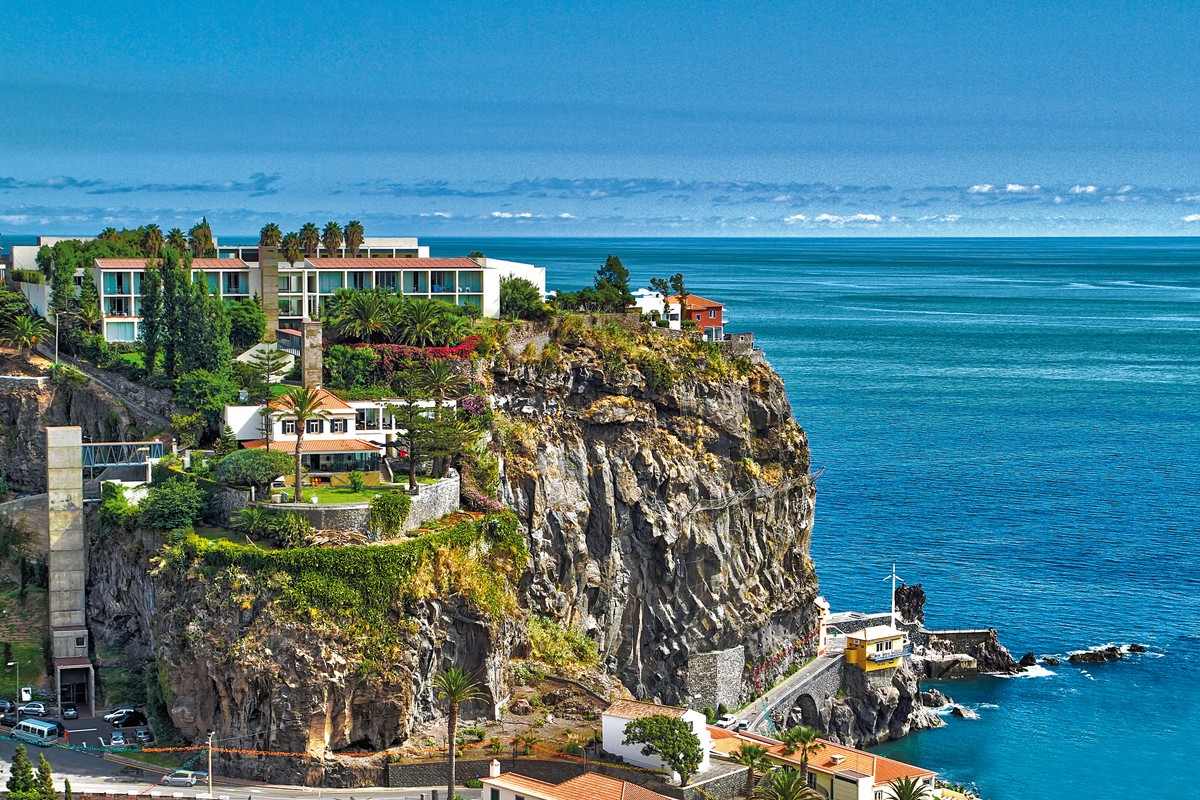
[(689, 118)]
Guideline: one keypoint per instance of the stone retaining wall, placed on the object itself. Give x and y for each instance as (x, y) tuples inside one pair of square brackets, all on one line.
[(32, 512), (339, 517), (817, 690), (16, 383), (715, 678), (434, 501)]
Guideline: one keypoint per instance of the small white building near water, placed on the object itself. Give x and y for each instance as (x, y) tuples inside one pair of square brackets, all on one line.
[(622, 712), (648, 301)]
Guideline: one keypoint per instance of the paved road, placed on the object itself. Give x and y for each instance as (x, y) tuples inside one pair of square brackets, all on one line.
[(88, 771), (755, 715)]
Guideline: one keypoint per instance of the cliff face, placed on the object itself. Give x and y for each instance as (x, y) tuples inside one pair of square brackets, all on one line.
[(664, 518)]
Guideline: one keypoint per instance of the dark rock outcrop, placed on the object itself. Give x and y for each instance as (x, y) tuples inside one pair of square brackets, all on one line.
[(1028, 660), (1097, 656), (910, 604), (872, 711)]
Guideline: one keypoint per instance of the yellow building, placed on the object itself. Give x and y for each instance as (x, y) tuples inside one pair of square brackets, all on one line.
[(875, 648), (822, 606)]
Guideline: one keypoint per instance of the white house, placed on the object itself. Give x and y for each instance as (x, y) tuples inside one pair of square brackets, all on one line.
[(588, 786), (648, 301), (622, 712)]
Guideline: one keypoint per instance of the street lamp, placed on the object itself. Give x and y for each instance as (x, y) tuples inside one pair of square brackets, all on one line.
[(210, 738), (17, 664)]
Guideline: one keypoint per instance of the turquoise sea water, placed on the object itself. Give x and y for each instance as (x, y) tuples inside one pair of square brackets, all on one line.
[(1016, 423)]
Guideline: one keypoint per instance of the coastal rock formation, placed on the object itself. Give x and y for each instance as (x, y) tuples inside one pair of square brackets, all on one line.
[(871, 711), (664, 518), (1099, 656), (910, 604)]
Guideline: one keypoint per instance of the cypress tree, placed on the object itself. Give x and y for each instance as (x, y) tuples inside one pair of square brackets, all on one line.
[(21, 779), (152, 316), (67, 795), (174, 286), (45, 780)]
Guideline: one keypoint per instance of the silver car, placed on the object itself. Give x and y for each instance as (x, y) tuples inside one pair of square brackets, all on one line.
[(182, 777)]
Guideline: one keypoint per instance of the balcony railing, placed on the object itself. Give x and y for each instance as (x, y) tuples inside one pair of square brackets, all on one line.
[(888, 655)]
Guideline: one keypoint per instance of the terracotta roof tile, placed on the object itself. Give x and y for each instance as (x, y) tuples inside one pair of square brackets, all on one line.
[(636, 709), (329, 402), (588, 786), (197, 263), (407, 263), (695, 301), (884, 770), (319, 445)]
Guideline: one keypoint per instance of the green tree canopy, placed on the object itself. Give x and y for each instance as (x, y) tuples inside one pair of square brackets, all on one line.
[(176, 503), (247, 323), (671, 739), (256, 467), (520, 299), (21, 781)]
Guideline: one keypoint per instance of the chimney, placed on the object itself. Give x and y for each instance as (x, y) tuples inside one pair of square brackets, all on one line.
[(268, 270), (837, 759), (312, 362), (494, 768)]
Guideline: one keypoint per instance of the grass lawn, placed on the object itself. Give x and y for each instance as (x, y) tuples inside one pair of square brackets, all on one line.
[(219, 534), (280, 389), (167, 761), (135, 358), (343, 494)]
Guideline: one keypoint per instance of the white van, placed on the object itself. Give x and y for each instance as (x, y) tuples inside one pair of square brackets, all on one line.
[(43, 734)]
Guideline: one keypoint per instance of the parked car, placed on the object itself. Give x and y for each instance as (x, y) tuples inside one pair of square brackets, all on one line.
[(726, 721), (7, 706), (130, 720), (58, 727), (33, 709), (182, 777), (741, 726), (119, 713), (143, 735), (117, 740), (10, 720), (70, 711)]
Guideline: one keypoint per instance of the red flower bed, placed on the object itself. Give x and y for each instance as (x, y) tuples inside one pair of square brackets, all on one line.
[(398, 357)]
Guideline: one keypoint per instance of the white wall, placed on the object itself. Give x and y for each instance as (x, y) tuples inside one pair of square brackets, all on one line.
[(534, 274), (613, 732)]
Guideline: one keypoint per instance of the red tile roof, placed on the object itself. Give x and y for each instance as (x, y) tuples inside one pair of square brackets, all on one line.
[(329, 402), (588, 786), (197, 263), (407, 263), (884, 770), (319, 445), (695, 301), (636, 709)]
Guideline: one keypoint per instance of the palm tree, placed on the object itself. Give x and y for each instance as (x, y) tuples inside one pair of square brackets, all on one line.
[(908, 789), (26, 332), (455, 687), (301, 404), (89, 314), (807, 741), (270, 235), (177, 240), (439, 380), (291, 248), (420, 320), (785, 784), (110, 235), (754, 758), (152, 240), (452, 329), (310, 239), (354, 240), (361, 316), (331, 238)]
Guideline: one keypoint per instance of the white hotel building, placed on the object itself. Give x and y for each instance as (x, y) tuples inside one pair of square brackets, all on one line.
[(295, 293)]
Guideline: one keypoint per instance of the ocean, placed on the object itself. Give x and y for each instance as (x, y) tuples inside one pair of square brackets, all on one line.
[(1015, 423)]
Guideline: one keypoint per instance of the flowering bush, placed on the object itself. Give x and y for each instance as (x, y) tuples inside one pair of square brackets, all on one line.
[(475, 500), (393, 358), (474, 405)]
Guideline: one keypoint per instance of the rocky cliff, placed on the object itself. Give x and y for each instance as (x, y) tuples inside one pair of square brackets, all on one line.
[(666, 496)]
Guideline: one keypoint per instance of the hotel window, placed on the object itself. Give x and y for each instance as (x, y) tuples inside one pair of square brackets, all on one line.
[(289, 426), (330, 282), (360, 280), (337, 426), (712, 314), (314, 426), (121, 332)]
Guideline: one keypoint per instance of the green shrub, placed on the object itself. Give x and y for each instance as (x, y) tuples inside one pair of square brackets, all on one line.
[(28, 276), (553, 643), (572, 749), (357, 481), (117, 514), (473, 783), (659, 377), (389, 512), (350, 367), (254, 521), (570, 330), (290, 530), (174, 504)]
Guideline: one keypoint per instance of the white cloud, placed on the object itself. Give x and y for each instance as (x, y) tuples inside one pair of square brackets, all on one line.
[(795, 218), (950, 218), (567, 215), (1077, 189), (1019, 188), (837, 219), (1125, 189), (440, 214), (510, 215), (1192, 218), (981, 188)]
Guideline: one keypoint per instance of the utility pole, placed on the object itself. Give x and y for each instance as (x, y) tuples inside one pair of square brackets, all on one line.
[(894, 577), (210, 738), (56, 316)]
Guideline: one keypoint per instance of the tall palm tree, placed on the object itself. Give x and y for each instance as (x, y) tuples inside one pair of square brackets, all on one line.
[(908, 789), (270, 235), (785, 784), (440, 380), (361, 316), (419, 322), (291, 249), (807, 741), (89, 314), (455, 687), (110, 235), (354, 240), (301, 404), (177, 239), (452, 329), (331, 238), (310, 239), (26, 332), (152, 240), (754, 758)]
